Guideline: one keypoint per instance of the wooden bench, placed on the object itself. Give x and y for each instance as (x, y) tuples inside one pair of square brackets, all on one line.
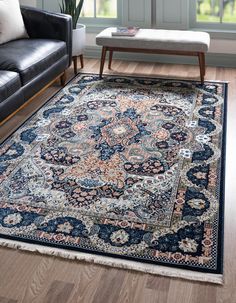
[(155, 41)]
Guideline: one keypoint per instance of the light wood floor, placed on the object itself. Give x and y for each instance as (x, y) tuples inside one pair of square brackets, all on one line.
[(31, 278)]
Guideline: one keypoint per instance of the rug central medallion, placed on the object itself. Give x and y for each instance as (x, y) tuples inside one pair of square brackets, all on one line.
[(120, 166), (117, 132)]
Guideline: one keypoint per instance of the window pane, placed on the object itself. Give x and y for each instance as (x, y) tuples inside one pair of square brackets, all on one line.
[(229, 11), (88, 9), (106, 8), (208, 10)]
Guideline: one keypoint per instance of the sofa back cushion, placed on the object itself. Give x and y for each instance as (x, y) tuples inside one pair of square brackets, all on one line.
[(11, 22)]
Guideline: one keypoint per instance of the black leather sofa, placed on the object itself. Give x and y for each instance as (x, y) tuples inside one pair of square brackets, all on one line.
[(28, 65)]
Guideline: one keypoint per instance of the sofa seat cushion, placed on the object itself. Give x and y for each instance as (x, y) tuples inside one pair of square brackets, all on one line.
[(9, 84), (30, 57)]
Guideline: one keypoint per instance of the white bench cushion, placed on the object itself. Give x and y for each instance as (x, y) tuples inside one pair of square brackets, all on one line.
[(158, 39)]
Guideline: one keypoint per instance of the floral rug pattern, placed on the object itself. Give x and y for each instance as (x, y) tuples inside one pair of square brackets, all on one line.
[(126, 167)]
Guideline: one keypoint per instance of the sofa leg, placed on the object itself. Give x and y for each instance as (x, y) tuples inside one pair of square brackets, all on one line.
[(75, 65), (81, 57), (63, 79)]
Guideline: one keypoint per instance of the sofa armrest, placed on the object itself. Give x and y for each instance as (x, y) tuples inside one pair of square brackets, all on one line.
[(45, 25)]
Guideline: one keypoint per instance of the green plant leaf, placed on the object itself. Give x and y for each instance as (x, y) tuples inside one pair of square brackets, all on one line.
[(78, 10), (70, 7)]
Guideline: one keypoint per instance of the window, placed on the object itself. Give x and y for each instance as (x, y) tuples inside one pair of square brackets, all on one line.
[(219, 11), (214, 14), (101, 11)]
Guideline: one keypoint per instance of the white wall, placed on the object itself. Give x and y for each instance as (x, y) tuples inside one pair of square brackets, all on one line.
[(28, 2), (223, 46)]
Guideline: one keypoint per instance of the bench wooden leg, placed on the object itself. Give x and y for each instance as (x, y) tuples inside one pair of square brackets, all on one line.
[(110, 58), (103, 58), (202, 65)]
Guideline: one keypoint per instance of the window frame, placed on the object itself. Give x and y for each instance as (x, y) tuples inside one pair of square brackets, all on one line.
[(224, 27)]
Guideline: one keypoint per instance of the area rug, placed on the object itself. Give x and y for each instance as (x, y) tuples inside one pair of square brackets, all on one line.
[(121, 171)]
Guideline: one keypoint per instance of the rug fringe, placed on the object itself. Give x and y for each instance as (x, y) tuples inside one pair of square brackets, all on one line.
[(114, 262)]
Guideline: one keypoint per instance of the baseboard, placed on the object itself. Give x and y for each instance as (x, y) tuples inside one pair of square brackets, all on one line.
[(212, 59)]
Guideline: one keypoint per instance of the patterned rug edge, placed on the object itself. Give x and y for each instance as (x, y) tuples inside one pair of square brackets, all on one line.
[(114, 262)]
